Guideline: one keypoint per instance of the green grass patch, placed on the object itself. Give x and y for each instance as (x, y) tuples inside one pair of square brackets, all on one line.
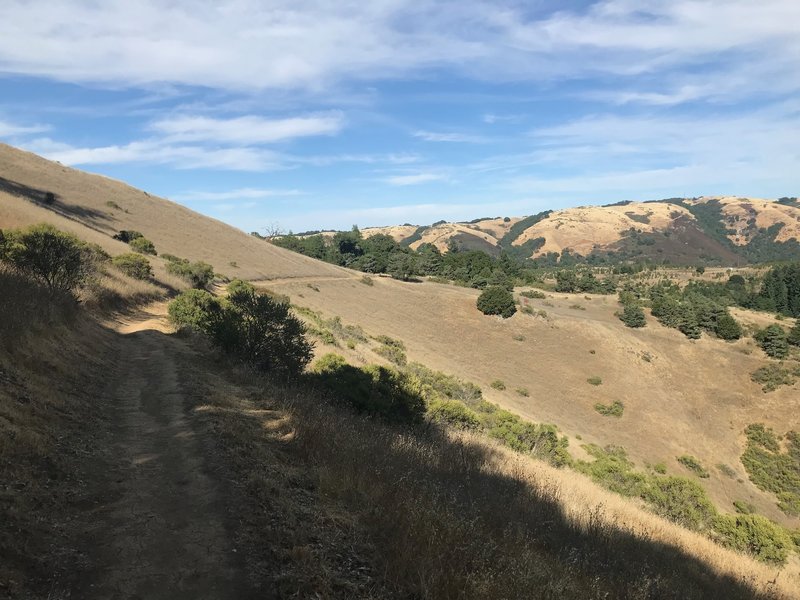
[(771, 468), (691, 463), (594, 380), (615, 409)]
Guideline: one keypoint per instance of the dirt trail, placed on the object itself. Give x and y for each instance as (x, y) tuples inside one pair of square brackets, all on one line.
[(163, 534)]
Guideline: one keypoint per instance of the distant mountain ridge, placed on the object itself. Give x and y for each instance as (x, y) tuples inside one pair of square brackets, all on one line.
[(712, 230)]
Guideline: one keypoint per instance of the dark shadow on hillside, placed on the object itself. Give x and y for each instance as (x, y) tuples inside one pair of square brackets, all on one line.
[(466, 509), (96, 219)]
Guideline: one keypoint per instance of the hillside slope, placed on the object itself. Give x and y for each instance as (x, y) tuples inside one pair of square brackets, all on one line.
[(725, 231), (96, 207), (680, 396)]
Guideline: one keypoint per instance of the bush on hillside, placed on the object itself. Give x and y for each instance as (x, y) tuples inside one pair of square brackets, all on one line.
[(376, 390), (143, 246), (633, 316), (793, 338), (755, 535), (453, 413), (773, 341), (133, 265), (727, 328), (58, 260), (198, 274), (195, 309), (496, 301), (127, 236), (255, 328)]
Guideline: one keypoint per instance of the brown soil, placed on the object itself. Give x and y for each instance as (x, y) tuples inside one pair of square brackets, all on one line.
[(160, 529)]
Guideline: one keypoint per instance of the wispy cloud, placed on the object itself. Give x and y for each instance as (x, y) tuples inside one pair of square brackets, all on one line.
[(248, 45), (248, 129), (12, 129), (414, 179), (433, 136), (156, 152), (239, 194)]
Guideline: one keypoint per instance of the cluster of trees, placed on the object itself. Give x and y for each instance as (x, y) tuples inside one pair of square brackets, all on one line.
[(780, 291), (254, 327), (583, 281), (382, 254), (692, 312)]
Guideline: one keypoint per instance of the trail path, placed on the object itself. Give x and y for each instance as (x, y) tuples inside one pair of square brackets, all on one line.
[(163, 533)]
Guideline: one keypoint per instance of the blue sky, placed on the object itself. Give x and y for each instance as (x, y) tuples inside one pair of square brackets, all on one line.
[(311, 114)]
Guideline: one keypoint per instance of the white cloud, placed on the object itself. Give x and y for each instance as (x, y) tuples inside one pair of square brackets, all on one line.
[(314, 44), (156, 152), (11, 129), (414, 179), (432, 136), (239, 194), (246, 130)]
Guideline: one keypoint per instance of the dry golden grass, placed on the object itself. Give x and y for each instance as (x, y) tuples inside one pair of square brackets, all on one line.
[(437, 515), (738, 211), (54, 360), (82, 209), (680, 396)]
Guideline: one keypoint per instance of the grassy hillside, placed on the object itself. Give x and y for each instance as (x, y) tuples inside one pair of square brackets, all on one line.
[(96, 208), (723, 231), (646, 399)]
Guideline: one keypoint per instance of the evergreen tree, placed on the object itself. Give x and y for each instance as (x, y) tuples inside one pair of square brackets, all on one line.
[(794, 335), (633, 316), (773, 341), (727, 328), (496, 301)]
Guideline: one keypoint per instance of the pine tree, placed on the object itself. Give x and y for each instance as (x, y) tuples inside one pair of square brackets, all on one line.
[(633, 316)]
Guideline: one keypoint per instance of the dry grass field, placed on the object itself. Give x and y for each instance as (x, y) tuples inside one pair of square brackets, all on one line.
[(82, 207), (680, 397), (583, 229)]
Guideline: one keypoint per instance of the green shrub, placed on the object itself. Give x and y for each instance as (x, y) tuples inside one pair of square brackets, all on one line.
[(496, 300), (727, 328), (726, 470), (143, 246), (498, 384), (198, 274), (540, 440), (127, 236), (660, 468), (772, 470), (195, 309), (252, 327), (58, 260), (793, 338), (615, 409), (772, 376), (744, 508), (681, 500), (133, 265), (773, 341), (453, 413), (691, 463), (594, 380), (523, 392), (376, 390), (535, 294), (755, 535), (392, 350), (633, 316), (367, 280)]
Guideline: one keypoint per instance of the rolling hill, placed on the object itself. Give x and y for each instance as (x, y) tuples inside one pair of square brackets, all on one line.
[(710, 230), (681, 397)]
